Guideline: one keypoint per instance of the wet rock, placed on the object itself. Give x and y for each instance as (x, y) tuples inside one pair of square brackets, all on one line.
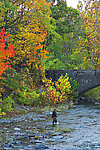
[(29, 147), (5, 128), (57, 137), (17, 129), (67, 130), (32, 141), (31, 135), (18, 133), (23, 138), (48, 133), (38, 141), (23, 107), (36, 137), (6, 144), (56, 133), (49, 140), (26, 138), (16, 147), (41, 147), (18, 142)]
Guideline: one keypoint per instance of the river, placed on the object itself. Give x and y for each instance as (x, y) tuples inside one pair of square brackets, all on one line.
[(78, 128)]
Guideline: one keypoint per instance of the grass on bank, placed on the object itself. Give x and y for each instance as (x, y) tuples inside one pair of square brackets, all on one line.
[(93, 94)]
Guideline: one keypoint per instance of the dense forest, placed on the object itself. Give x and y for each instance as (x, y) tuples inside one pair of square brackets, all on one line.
[(36, 36)]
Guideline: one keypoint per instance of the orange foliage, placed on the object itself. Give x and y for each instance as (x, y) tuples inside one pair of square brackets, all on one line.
[(5, 53), (32, 32)]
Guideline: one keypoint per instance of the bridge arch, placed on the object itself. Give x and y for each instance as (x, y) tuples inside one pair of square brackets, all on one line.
[(87, 79)]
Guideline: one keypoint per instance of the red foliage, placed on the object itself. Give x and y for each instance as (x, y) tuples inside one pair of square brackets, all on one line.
[(5, 52)]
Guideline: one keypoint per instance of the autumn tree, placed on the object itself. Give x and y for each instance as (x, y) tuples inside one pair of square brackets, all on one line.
[(28, 21), (89, 47), (6, 51)]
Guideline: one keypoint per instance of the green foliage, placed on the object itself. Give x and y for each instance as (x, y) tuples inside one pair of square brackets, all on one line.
[(74, 88), (62, 50), (93, 94), (19, 88), (66, 17), (54, 63), (68, 27), (26, 96), (6, 104)]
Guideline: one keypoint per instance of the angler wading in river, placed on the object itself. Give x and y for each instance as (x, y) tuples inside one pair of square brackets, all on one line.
[(54, 116)]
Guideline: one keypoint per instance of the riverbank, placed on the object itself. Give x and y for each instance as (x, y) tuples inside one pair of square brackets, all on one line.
[(24, 110)]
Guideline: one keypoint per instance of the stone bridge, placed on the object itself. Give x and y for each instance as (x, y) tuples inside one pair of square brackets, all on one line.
[(87, 79)]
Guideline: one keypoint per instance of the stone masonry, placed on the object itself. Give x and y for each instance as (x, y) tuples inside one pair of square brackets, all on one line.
[(87, 79)]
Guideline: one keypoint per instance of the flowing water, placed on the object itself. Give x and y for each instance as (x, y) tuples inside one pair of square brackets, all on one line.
[(78, 128)]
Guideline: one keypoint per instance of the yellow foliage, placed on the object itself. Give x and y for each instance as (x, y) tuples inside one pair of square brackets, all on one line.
[(91, 24), (32, 27)]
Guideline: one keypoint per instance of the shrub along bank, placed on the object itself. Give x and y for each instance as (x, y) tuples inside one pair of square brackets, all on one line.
[(21, 89)]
